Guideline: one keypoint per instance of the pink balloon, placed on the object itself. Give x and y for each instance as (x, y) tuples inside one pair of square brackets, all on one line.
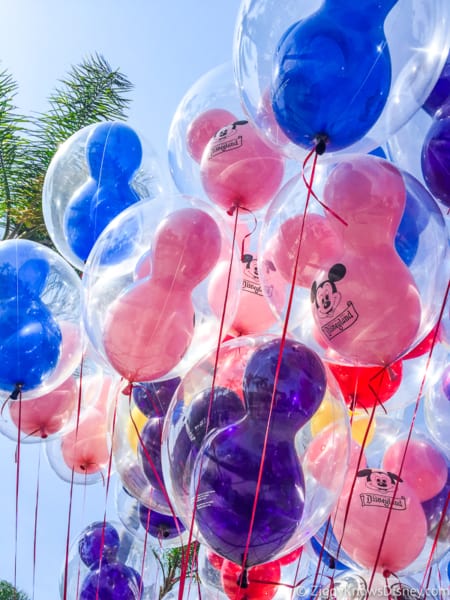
[(361, 530), (85, 450), (319, 244), (204, 127), (150, 326), (47, 414), (238, 169), (325, 456), (366, 303), (424, 467)]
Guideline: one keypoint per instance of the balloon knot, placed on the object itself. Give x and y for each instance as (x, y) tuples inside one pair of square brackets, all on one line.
[(243, 579), (321, 143), (387, 573), (127, 389), (231, 210), (16, 391)]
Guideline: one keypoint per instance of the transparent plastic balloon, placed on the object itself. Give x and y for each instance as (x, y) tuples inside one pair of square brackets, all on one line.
[(359, 584), (146, 280), (160, 531), (95, 174), (82, 452), (437, 405), (326, 239), (412, 38), (208, 105), (111, 542), (41, 327), (318, 461), (384, 474)]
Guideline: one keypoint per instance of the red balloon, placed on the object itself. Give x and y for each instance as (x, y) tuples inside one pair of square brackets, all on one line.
[(365, 387), (262, 581), (215, 560), (424, 346)]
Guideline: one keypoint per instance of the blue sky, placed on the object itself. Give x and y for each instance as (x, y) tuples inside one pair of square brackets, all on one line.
[(163, 47)]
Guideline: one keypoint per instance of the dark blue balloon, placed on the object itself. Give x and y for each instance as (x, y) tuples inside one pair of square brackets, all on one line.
[(113, 152), (24, 269), (113, 581), (98, 541), (440, 94), (435, 159), (332, 74), (149, 451), (153, 397), (327, 559), (30, 343)]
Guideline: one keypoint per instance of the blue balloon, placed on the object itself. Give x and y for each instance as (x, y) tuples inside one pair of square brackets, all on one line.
[(332, 74), (23, 269), (113, 151), (30, 343)]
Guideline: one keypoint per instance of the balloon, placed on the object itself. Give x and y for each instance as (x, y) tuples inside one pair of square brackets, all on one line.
[(204, 127), (350, 74), (98, 542), (113, 581), (95, 174), (424, 468), (145, 340), (158, 525), (366, 387), (262, 581), (153, 397), (47, 414), (137, 421), (379, 325), (434, 508), (440, 93), (149, 451), (332, 75), (238, 168), (361, 518), (435, 158)]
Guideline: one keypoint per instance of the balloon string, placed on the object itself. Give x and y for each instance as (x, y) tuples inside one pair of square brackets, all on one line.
[(185, 559), (36, 521), (435, 541), (311, 191), (322, 549), (278, 366), (144, 555), (16, 527), (77, 591), (255, 225), (413, 419)]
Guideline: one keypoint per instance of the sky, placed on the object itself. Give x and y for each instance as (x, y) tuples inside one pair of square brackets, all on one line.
[(163, 47)]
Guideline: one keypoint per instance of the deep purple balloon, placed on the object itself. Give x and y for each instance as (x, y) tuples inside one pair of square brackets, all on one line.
[(446, 383), (114, 581), (440, 94), (227, 474), (150, 451), (153, 398), (300, 387), (434, 508), (158, 525), (91, 541), (435, 160), (226, 408)]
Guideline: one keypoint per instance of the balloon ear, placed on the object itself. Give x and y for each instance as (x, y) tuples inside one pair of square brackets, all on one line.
[(364, 473), (247, 258), (393, 477), (337, 272), (313, 292)]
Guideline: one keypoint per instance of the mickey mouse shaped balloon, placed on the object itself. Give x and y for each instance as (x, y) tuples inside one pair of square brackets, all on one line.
[(332, 74)]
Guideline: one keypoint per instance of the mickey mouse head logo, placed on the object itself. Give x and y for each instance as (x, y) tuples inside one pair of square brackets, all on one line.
[(379, 481), (251, 267), (325, 296)]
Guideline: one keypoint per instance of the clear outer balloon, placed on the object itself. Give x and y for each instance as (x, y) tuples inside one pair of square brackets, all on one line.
[(238, 410), (41, 326), (122, 560), (440, 93), (239, 169), (83, 449), (205, 108), (377, 237), (437, 406), (423, 467), (94, 175), (407, 542), (155, 327), (355, 584), (399, 44)]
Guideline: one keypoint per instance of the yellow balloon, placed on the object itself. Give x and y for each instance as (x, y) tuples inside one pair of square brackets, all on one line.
[(136, 420), (359, 424)]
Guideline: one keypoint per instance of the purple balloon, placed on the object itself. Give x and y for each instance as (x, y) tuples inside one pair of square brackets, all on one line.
[(433, 509), (440, 94), (300, 387), (446, 383), (227, 472), (435, 160), (95, 536), (150, 452), (114, 581), (226, 408), (158, 525), (153, 398)]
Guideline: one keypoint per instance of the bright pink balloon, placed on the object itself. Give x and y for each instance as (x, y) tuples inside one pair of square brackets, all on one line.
[(361, 530), (150, 326), (366, 303), (204, 127), (319, 244), (424, 468), (47, 414), (238, 169)]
